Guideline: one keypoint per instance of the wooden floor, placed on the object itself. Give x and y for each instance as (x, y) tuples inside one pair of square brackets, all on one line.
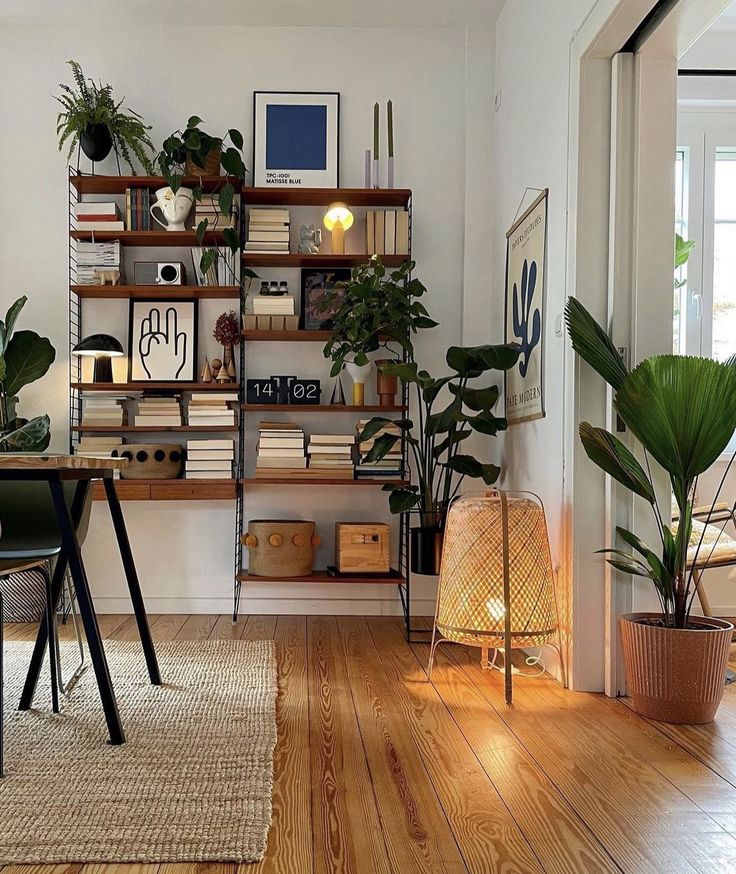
[(379, 771)]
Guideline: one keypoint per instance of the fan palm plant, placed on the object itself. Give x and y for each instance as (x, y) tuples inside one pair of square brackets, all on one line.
[(682, 410)]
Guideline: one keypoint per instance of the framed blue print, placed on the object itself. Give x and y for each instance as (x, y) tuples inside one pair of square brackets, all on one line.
[(296, 139)]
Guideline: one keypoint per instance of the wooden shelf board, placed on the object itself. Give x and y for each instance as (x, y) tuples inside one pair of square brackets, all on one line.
[(271, 195), (171, 490), (316, 481), (291, 259), (324, 408), (151, 429), (118, 184), (149, 238), (300, 336), (154, 386), (322, 576), (162, 292)]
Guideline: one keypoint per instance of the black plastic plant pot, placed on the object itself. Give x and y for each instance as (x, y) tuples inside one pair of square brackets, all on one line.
[(96, 141), (426, 550)]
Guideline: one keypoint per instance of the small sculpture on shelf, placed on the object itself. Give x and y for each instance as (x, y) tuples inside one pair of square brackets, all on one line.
[(107, 277), (206, 371), (310, 239), (215, 367), (227, 332)]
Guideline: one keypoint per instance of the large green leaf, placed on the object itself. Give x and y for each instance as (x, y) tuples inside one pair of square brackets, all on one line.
[(32, 436), (378, 423), (402, 499), (440, 423), (486, 423), (482, 358), (6, 327), (27, 358), (610, 454), (469, 466), (593, 344), (477, 399), (683, 410), (382, 446)]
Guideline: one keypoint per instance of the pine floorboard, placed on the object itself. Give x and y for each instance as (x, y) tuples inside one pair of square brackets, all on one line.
[(378, 771)]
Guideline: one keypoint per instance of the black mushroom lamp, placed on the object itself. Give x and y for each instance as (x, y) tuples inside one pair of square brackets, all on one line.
[(103, 347)]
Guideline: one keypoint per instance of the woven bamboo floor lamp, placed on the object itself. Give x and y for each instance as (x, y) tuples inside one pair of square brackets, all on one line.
[(496, 584)]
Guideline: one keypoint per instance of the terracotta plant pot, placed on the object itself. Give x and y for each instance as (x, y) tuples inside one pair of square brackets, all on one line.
[(211, 165), (386, 386), (675, 675)]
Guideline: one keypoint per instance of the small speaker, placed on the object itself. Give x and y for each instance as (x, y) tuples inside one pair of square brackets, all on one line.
[(159, 273)]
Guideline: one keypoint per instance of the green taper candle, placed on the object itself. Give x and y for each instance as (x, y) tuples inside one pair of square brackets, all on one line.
[(390, 123), (375, 131)]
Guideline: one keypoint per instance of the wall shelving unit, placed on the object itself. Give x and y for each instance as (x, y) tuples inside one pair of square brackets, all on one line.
[(236, 488), (299, 197), (141, 490)]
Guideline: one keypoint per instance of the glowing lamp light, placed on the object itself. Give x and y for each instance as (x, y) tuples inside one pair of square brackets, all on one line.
[(496, 588), (338, 219)]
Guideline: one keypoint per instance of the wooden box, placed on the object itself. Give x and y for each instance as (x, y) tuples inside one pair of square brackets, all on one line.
[(362, 548)]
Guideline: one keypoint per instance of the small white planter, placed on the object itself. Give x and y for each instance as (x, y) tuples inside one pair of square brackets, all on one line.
[(359, 374)]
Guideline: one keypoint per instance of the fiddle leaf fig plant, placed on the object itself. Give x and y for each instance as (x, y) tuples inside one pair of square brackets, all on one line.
[(24, 358), (375, 309), (436, 442)]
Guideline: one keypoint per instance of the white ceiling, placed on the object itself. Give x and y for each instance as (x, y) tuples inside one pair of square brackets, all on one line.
[(265, 13)]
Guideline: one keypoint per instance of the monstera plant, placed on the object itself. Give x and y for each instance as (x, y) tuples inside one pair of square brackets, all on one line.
[(24, 358), (436, 444)]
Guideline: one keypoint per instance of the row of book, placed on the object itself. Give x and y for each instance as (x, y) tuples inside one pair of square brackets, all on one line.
[(268, 230), (158, 410), (209, 208), (209, 459), (91, 257), (387, 232), (388, 467), (138, 209), (267, 305), (97, 216), (281, 452)]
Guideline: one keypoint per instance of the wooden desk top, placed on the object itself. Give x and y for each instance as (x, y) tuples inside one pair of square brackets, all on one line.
[(41, 461)]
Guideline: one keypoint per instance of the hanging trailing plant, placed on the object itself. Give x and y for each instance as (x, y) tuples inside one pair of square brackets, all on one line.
[(194, 152)]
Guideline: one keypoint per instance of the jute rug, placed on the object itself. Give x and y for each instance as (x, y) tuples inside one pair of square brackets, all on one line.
[(192, 783)]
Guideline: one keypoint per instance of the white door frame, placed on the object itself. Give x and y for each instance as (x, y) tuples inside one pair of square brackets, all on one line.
[(591, 510)]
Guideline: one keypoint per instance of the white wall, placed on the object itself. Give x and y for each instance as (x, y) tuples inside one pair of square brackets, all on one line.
[(530, 149), (441, 89)]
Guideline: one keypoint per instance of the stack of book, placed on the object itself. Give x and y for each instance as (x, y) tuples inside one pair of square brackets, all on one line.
[(209, 459), (97, 217), (273, 305), (387, 232), (220, 272), (96, 256), (207, 408), (208, 208), (161, 410), (138, 209), (331, 455), (96, 446), (390, 466), (268, 230), (105, 411), (280, 450)]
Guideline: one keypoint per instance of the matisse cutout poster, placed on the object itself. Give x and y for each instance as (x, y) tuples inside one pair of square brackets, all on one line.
[(526, 250)]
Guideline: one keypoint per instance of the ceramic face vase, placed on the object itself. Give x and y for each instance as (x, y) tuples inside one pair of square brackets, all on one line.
[(174, 208)]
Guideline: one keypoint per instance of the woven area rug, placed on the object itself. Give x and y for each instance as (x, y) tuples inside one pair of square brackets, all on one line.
[(192, 783)]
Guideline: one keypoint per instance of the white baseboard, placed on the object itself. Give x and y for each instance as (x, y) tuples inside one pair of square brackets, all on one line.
[(270, 606)]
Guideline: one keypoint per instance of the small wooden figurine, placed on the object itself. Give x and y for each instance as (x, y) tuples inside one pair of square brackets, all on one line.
[(206, 371), (216, 367), (222, 375), (107, 277)]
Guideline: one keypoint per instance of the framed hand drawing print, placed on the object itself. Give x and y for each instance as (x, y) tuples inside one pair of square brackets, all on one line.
[(162, 341), (526, 252)]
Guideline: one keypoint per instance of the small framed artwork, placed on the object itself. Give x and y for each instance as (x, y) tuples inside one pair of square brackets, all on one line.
[(296, 139), (526, 254), (162, 341), (315, 284)]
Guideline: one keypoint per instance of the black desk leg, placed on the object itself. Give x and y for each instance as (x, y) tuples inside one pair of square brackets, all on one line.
[(39, 650), (131, 575), (86, 609)]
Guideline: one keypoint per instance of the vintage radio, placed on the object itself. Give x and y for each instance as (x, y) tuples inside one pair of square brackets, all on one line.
[(159, 273), (362, 548)]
